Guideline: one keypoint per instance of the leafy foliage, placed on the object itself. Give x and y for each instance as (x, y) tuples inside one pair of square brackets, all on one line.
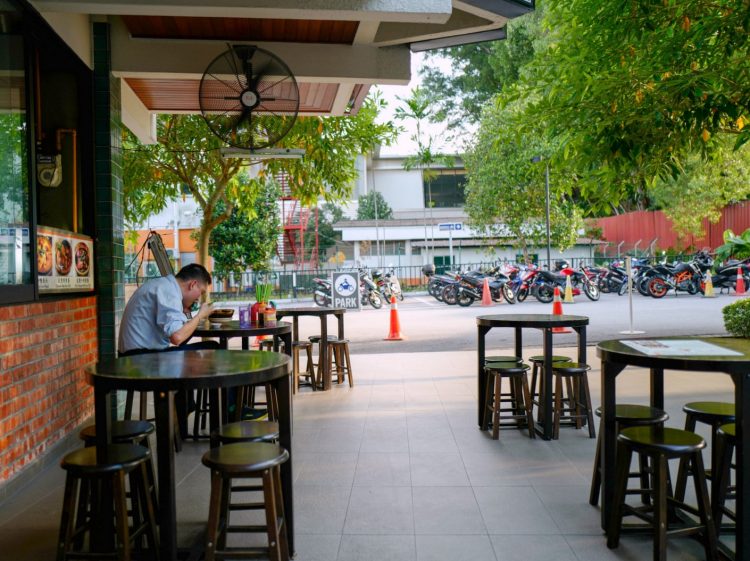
[(328, 215), (737, 318), (634, 89), (480, 71), (374, 206), (734, 246), (646, 102), (188, 154), (247, 239), (506, 190)]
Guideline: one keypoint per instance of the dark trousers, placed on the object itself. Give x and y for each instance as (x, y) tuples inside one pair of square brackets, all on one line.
[(184, 400)]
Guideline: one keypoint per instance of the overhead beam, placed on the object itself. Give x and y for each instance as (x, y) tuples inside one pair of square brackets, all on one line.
[(455, 40), (436, 11), (460, 23), (161, 58), (136, 116), (505, 8)]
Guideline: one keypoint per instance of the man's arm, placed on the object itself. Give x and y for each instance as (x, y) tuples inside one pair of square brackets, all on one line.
[(184, 333)]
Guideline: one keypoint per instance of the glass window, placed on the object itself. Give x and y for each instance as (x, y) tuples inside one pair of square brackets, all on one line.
[(446, 190), (15, 253)]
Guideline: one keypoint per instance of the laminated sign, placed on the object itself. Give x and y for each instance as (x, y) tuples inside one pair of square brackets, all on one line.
[(64, 261), (345, 288)]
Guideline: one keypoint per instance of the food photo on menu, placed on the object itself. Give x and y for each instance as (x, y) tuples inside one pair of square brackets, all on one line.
[(63, 257), (44, 255), (82, 259)]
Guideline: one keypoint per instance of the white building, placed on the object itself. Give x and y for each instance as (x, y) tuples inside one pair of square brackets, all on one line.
[(420, 232)]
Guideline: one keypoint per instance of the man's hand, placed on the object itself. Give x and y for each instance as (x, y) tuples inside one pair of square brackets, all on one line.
[(206, 309)]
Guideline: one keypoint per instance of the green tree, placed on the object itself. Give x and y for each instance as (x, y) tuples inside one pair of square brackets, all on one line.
[(480, 71), (632, 90), (505, 195), (374, 206), (187, 153), (248, 238)]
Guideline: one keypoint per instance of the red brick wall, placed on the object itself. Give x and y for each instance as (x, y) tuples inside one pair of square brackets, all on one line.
[(44, 348)]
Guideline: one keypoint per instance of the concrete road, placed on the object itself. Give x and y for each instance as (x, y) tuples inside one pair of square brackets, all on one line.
[(433, 326)]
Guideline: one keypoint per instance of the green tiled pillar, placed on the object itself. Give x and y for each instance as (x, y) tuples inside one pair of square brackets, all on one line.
[(110, 247)]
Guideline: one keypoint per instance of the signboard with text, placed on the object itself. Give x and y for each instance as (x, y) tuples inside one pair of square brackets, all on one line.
[(450, 226), (65, 261), (345, 288)]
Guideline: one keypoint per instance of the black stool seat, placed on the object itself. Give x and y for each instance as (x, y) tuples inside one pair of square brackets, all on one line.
[(555, 358), (569, 368), (245, 457), (628, 415), (710, 412), (632, 415), (301, 344), (247, 431), (501, 358), (337, 341), (665, 440), (123, 432), (507, 368), (116, 457)]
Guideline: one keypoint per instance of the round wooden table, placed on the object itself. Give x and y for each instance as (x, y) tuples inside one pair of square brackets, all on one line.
[(322, 313), (728, 355), (282, 331), (168, 372), (519, 322)]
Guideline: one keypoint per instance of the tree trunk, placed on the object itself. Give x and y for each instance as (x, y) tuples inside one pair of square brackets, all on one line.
[(203, 235)]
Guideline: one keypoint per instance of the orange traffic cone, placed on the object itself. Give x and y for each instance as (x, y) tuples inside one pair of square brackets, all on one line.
[(558, 311), (740, 287), (486, 297), (395, 329)]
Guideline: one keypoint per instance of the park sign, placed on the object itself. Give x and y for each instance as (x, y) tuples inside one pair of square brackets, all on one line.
[(345, 288), (450, 226)]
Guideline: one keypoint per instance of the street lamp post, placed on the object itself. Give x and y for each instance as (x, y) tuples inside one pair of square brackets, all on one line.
[(536, 159)]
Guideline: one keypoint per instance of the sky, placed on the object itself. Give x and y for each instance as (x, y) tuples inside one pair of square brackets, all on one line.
[(404, 146)]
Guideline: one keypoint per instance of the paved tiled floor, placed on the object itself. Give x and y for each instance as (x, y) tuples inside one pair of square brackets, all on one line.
[(396, 469)]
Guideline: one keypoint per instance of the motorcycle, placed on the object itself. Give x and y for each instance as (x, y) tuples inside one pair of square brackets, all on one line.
[(726, 275), (388, 284), (368, 290), (322, 292), (437, 283), (581, 281), (683, 277)]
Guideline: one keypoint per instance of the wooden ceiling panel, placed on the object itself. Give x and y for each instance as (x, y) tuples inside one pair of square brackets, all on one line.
[(242, 29), (164, 96)]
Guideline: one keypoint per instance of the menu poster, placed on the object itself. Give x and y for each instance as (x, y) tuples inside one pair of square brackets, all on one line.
[(678, 347), (65, 261)]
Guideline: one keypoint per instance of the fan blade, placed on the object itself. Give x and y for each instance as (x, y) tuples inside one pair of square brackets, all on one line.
[(227, 84), (235, 70)]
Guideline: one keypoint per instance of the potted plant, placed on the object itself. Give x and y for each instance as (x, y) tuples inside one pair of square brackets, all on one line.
[(737, 318), (262, 296)]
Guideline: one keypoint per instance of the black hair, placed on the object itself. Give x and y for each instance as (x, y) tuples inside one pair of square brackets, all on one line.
[(194, 272)]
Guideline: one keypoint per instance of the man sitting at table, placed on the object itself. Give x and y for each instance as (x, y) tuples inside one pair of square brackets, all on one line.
[(156, 317)]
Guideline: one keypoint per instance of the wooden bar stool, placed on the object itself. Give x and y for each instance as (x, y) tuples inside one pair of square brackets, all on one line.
[(721, 484), (519, 414), (661, 444), (84, 476), (339, 363), (246, 460), (502, 358), (129, 432), (538, 366), (309, 373), (315, 340), (712, 413), (626, 416), (577, 386)]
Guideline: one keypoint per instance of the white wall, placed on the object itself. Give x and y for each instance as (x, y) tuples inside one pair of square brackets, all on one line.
[(401, 189)]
